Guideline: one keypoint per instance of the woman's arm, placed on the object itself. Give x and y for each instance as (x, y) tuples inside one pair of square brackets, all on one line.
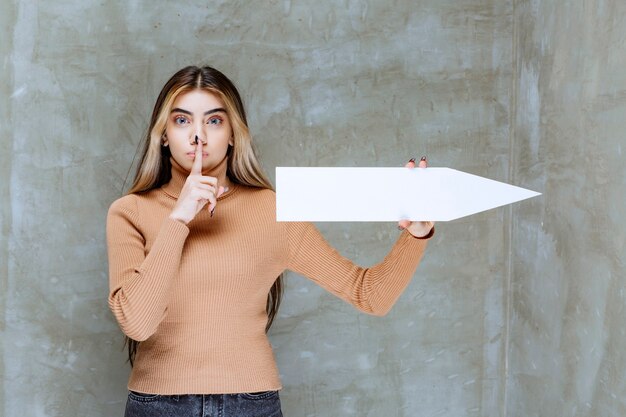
[(140, 284), (372, 290)]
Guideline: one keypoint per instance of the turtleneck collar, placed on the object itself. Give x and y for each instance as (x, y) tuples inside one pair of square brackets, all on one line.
[(180, 174)]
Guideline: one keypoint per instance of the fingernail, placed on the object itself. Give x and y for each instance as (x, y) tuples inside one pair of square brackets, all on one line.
[(423, 158), (196, 141), (212, 211), (412, 160)]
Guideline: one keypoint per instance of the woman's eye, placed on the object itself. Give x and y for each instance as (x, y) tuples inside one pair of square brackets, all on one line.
[(214, 121), (180, 120)]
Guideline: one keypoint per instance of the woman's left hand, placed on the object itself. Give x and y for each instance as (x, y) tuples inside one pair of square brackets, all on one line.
[(417, 229)]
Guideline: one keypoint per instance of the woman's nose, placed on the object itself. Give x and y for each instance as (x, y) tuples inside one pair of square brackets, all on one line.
[(198, 137)]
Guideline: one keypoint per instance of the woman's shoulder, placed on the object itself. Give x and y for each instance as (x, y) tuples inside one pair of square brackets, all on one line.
[(260, 199), (127, 203), (124, 207), (130, 203), (258, 192)]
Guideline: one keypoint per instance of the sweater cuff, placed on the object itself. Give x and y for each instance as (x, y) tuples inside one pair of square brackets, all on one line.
[(427, 236)]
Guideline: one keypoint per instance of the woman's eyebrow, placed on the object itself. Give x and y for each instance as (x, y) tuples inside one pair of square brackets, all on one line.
[(219, 109), (206, 113), (179, 110)]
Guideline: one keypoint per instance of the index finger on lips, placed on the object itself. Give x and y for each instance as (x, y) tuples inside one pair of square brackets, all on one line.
[(196, 168)]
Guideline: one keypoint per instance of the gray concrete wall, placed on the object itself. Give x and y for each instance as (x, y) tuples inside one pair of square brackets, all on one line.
[(567, 346), (351, 83), (348, 83)]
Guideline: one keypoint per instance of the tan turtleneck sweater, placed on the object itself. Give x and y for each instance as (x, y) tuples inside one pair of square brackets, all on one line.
[(195, 295)]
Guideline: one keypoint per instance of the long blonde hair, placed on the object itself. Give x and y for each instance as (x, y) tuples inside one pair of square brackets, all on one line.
[(154, 168)]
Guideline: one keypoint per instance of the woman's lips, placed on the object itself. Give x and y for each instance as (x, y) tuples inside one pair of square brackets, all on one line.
[(192, 155)]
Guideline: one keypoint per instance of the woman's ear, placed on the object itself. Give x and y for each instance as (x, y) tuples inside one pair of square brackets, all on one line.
[(164, 140)]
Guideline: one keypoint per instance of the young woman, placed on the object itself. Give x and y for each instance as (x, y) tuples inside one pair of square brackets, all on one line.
[(196, 259)]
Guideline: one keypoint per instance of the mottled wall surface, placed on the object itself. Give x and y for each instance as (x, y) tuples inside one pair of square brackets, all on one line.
[(350, 83), (568, 339), (7, 16)]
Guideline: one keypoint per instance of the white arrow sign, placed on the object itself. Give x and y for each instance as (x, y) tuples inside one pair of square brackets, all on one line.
[(387, 194)]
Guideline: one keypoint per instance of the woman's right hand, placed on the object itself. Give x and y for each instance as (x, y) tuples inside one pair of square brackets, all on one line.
[(197, 192)]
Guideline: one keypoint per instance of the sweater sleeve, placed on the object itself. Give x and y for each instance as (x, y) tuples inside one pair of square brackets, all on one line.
[(372, 290), (140, 283)]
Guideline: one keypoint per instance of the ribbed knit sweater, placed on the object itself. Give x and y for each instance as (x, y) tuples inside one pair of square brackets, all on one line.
[(195, 295)]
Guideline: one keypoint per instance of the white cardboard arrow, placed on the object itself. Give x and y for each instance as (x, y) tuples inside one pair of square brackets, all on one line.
[(387, 194)]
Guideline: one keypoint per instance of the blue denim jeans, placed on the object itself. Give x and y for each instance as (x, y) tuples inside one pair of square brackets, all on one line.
[(259, 404)]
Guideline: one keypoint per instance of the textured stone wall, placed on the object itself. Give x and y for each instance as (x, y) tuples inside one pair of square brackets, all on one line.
[(567, 345), (516, 311)]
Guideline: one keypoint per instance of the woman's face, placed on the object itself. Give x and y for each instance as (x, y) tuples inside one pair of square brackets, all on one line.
[(198, 112)]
